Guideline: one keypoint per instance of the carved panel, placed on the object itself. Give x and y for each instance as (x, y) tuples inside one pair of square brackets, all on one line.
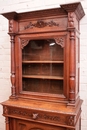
[(41, 24), (34, 115), (60, 41), (24, 42), (5, 110), (70, 120)]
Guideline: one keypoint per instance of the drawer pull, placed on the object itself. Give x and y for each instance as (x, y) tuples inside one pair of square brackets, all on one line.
[(35, 116)]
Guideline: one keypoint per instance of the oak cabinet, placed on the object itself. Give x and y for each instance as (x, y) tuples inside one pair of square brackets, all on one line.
[(44, 69)]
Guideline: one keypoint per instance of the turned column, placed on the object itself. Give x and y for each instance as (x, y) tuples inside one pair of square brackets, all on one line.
[(13, 27), (72, 58)]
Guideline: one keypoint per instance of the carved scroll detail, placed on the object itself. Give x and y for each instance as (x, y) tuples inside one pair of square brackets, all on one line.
[(41, 24), (24, 42), (60, 41), (70, 20)]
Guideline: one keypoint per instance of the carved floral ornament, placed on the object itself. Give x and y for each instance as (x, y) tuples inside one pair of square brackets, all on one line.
[(59, 41), (41, 24)]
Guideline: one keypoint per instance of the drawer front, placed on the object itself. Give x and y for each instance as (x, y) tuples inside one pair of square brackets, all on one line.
[(53, 118)]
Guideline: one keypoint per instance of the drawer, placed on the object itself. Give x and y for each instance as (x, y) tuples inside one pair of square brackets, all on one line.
[(53, 118)]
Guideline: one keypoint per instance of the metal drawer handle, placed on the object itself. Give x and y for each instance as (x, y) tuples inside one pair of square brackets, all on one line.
[(35, 115)]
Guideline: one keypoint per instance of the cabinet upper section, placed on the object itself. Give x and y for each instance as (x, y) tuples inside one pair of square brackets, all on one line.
[(63, 18)]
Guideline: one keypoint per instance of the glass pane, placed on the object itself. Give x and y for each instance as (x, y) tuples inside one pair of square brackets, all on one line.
[(43, 86), (42, 67), (43, 50)]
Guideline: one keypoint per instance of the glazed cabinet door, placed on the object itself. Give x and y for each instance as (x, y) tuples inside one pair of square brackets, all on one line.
[(43, 67)]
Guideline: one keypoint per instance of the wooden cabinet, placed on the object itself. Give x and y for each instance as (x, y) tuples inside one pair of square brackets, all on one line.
[(44, 69)]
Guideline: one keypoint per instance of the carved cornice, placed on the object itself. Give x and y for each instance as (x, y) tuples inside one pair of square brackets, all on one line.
[(74, 7), (41, 24)]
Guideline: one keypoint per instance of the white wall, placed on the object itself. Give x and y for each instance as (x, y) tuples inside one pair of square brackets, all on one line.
[(28, 5)]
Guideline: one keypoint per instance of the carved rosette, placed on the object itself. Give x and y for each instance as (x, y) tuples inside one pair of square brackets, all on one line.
[(24, 42), (41, 24)]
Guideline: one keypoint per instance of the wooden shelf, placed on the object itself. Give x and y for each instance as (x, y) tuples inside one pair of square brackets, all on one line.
[(27, 62), (43, 77)]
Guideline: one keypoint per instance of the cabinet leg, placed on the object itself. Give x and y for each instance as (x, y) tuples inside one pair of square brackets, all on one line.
[(7, 123)]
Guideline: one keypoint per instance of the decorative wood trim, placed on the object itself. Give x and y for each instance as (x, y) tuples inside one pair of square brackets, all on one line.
[(70, 120), (60, 41), (24, 42), (41, 24), (33, 115), (5, 110)]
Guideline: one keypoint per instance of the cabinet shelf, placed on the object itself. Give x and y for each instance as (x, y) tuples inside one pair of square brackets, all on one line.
[(43, 77), (26, 62)]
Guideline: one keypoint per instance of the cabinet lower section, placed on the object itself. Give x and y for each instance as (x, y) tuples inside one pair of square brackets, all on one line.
[(18, 124), (31, 115)]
